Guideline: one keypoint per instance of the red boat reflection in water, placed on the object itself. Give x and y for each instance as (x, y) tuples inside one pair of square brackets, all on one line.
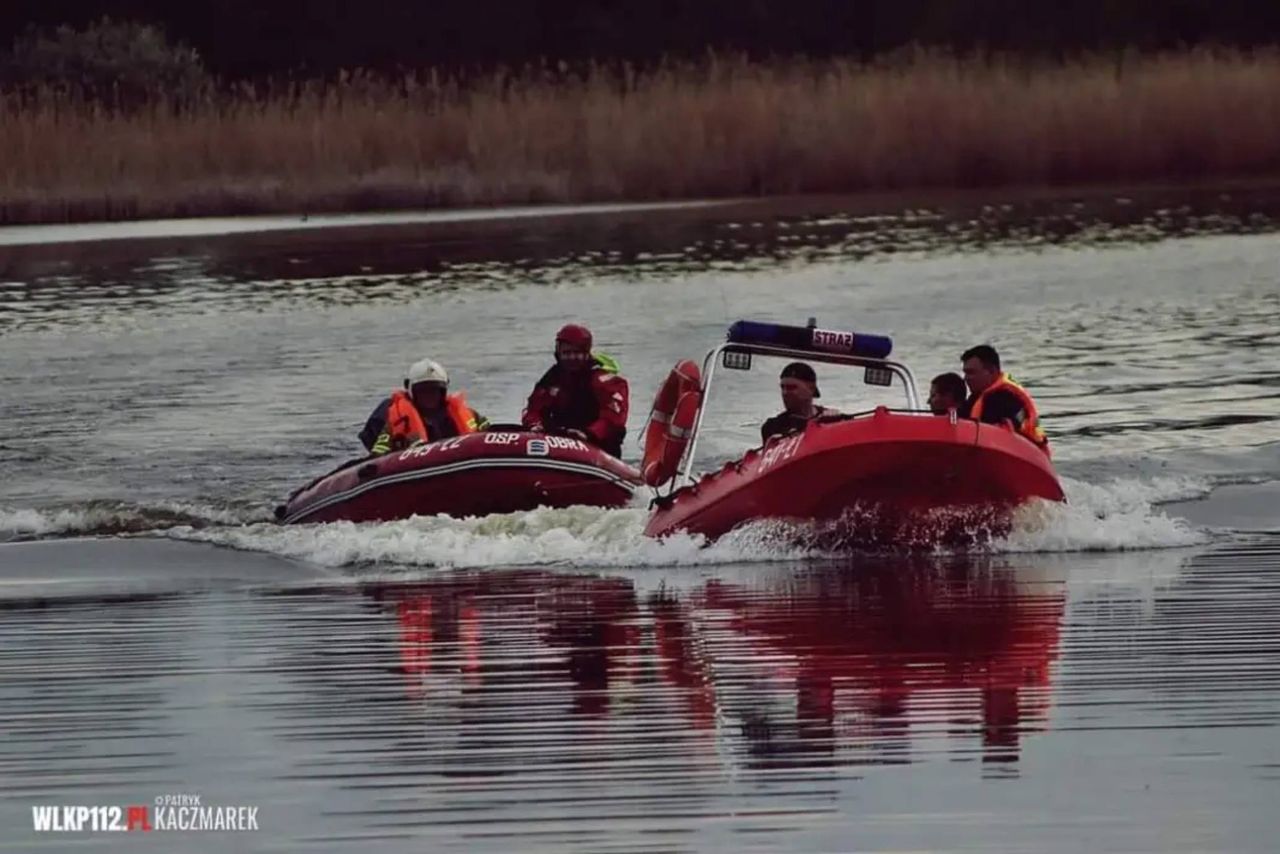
[(529, 628), (874, 654), (793, 665)]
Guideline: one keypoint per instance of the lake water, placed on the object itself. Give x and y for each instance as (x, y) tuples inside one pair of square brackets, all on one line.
[(1107, 676)]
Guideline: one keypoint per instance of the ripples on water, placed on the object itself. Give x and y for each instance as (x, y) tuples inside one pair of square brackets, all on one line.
[(202, 378), (838, 706), (655, 696), (53, 286)]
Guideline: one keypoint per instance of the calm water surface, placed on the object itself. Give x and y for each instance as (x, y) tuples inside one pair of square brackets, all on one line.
[(1107, 677)]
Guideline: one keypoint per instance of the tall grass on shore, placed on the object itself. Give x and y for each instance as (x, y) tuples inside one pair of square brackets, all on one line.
[(723, 128)]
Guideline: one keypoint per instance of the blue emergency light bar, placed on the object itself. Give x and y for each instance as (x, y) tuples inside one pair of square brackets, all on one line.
[(810, 338)]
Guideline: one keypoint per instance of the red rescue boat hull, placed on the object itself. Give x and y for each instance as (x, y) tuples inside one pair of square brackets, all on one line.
[(895, 467), (472, 475)]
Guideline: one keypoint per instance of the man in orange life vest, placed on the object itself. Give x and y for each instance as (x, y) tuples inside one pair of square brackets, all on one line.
[(996, 399), (582, 395), (423, 411)]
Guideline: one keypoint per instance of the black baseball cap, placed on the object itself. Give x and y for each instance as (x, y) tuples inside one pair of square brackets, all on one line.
[(801, 371)]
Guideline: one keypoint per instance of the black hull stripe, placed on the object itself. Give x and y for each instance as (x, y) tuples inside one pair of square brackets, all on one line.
[(453, 468)]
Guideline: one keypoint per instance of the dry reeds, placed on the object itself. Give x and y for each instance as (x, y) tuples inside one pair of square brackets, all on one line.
[(723, 128)]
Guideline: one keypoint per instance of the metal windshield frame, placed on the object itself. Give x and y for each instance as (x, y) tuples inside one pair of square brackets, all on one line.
[(714, 357)]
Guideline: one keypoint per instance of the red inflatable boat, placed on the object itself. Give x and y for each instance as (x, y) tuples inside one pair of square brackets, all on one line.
[(473, 475), (886, 472)]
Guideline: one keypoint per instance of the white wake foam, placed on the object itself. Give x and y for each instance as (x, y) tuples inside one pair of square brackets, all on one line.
[(574, 536), (27, 522), (115, 518), (1115, 516)]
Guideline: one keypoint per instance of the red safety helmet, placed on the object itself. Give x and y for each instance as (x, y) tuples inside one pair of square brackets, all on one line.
[(575, 336)]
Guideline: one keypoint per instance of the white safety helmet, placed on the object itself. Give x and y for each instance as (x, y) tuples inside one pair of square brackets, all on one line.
[(426, 371)]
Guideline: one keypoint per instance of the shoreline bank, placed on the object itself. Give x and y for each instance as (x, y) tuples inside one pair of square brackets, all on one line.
[(310, 228), (927, 124)]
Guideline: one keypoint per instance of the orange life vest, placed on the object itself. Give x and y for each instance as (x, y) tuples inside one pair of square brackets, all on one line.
[(405, 425), (1030, 426)]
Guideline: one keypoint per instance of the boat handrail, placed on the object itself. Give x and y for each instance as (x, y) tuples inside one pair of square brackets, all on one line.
[(863, 413), (713, 357)]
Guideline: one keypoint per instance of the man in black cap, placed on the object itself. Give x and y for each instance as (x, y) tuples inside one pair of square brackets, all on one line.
[(799, 386)]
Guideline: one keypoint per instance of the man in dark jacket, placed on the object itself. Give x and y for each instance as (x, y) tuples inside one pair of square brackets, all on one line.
[(582, 395), (799, 386), (947, 392)]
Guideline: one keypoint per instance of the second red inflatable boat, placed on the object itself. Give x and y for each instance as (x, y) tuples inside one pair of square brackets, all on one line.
[(894, 465)]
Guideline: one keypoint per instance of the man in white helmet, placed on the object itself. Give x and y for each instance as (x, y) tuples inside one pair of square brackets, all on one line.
[(423, 411)]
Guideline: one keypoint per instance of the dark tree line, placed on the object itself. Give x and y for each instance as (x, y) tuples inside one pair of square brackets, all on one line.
[(246, 38)]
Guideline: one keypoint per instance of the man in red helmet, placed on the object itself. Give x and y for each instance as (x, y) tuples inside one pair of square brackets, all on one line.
[(582, 395)]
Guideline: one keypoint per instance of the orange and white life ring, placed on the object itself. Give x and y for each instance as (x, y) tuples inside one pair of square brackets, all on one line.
[(670, 428)]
